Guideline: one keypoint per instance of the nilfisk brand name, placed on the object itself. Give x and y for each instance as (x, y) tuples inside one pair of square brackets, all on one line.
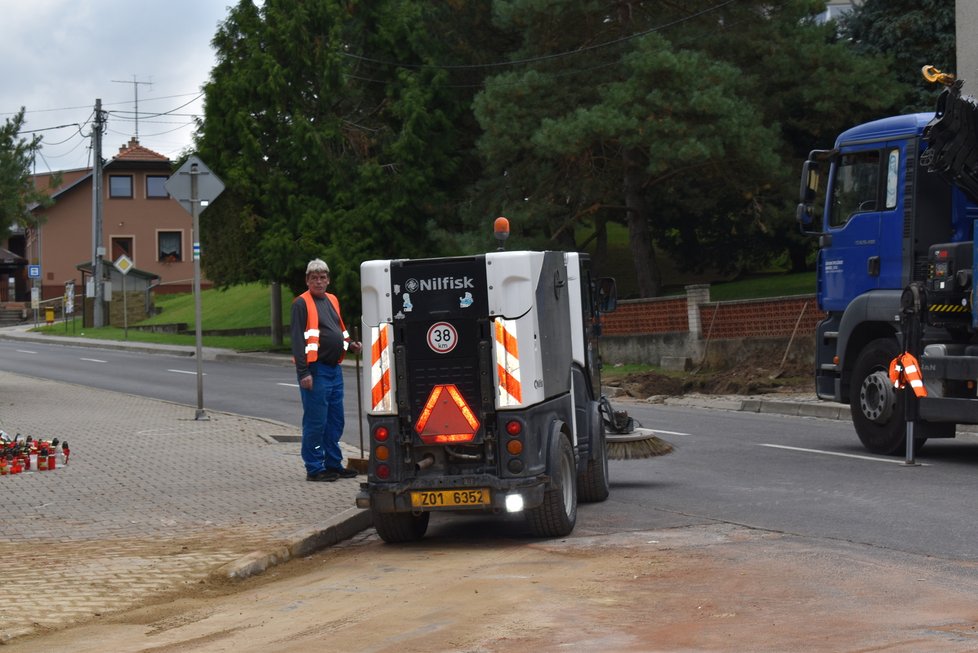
[(439, 283)]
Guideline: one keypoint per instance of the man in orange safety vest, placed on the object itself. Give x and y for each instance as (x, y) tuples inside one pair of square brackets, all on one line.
[(319, 342)]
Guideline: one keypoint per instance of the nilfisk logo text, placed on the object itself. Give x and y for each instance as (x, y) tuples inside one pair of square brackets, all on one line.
[(438, 283)]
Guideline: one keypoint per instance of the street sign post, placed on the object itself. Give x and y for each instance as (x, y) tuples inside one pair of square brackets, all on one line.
[(194, 186), (123, 264)]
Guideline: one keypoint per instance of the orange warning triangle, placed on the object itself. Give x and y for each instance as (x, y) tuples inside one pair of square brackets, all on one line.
[(446, 417)]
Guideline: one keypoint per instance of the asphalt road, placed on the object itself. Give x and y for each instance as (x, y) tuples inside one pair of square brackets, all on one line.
[(790, 475), (253, 389), (802, 476)]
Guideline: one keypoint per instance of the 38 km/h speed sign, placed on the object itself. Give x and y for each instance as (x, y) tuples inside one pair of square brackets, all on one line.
[(442, 337)]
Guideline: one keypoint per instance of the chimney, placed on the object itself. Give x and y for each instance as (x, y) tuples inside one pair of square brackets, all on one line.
[(131, 145)]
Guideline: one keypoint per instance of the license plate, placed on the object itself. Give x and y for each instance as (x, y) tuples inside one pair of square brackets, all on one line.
[(449, 498)]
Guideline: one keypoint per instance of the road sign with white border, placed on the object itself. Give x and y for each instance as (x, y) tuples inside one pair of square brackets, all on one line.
[(442, 337), (123, 264), (209, 185)]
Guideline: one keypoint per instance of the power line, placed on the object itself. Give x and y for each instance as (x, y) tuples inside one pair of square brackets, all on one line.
[(163, 113), (545, 57), (107, 104), (726, 25)]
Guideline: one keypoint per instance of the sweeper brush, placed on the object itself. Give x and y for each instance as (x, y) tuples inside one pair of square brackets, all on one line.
[(626, 441)]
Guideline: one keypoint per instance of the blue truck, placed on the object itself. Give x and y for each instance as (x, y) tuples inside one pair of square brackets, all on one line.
[(893, 205)]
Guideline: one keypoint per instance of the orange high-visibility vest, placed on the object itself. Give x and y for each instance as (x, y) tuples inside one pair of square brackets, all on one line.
[(312, 326), (905, 370)]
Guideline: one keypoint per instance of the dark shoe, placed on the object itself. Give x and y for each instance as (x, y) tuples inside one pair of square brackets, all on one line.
[(326, 475), (343, 473)]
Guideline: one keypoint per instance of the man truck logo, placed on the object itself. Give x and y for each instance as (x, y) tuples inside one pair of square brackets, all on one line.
[(438, 283)]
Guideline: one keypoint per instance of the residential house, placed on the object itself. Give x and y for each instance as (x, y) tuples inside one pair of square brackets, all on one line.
[(139, 220)]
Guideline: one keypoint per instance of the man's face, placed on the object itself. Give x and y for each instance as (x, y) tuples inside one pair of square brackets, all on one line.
[(317, 282)]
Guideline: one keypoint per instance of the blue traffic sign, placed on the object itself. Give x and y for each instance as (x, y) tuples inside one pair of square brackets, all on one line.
[(34, 271)]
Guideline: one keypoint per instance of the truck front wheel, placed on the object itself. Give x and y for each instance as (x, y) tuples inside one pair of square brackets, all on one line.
[(877, 407), (556, 516), (396, 527)]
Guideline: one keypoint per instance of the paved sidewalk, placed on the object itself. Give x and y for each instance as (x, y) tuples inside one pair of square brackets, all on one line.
[(154, 501)]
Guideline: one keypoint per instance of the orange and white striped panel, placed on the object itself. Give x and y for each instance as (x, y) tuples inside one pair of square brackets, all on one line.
[(509, 390), (380, 368)]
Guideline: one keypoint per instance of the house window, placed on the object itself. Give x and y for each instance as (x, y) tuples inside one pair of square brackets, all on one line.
[(155, 186), (121, 245), (120, 185), (170, 246)]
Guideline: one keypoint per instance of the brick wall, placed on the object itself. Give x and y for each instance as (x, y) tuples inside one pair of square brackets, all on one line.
[(642, 316), (773, 317)]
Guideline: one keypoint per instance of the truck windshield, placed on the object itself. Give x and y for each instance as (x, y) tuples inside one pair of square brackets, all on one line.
[(856, 185)]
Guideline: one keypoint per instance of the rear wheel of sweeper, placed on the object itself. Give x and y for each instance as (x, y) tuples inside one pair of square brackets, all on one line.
[(592, 479), (556, 516), (397, 527)]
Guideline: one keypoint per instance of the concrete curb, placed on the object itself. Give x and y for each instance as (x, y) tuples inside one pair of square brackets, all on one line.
[(796, 409), (335, 530)]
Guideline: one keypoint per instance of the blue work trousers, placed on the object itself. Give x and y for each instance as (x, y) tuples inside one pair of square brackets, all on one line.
[(322, 419)]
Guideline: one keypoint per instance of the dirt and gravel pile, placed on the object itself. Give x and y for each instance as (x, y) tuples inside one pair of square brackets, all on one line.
[(745, 380)]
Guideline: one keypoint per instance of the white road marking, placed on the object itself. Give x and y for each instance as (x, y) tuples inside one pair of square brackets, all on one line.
[(26, 351), (289, 385), (658, 431), (892, 461), (93, 360), (185, 372)]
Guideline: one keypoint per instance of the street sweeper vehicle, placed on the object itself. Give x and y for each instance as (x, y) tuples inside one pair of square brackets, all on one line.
[(482, 388), (895, 271)]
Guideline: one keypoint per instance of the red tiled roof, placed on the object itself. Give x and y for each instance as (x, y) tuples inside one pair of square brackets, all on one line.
[(42, 181), (133, 151)]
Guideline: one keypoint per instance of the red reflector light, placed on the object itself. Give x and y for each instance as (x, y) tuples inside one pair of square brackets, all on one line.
[(446, 417), (942, 253), (383, 472), (381, 433), (514, 427)]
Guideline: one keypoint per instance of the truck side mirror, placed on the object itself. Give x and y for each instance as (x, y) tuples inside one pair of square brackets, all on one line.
[(805, 214), (607, 294), (810, 193), (810, 173)]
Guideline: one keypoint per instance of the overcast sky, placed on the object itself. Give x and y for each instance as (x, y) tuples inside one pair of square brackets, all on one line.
[(58, 56)]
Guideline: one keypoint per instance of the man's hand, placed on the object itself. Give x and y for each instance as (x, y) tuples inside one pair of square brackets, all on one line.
[(306, 382), (356, 347)]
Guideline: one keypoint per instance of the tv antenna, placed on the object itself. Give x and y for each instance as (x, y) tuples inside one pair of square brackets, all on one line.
[(135, 91)]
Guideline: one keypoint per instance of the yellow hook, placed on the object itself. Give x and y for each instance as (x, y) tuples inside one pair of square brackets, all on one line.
[(932, 74)]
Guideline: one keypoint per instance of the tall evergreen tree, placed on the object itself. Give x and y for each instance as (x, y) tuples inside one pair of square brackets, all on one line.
[(338, 133), (684, 121), (912, 34), (17, 191)]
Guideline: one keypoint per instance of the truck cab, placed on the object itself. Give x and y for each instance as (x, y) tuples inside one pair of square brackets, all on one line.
[(881, 216)]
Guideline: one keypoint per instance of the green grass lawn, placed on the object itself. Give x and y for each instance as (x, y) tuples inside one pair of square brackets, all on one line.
[(238, 307)]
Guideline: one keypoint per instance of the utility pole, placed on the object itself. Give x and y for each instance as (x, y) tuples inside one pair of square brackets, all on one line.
[(135, 90), (98, 251)]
